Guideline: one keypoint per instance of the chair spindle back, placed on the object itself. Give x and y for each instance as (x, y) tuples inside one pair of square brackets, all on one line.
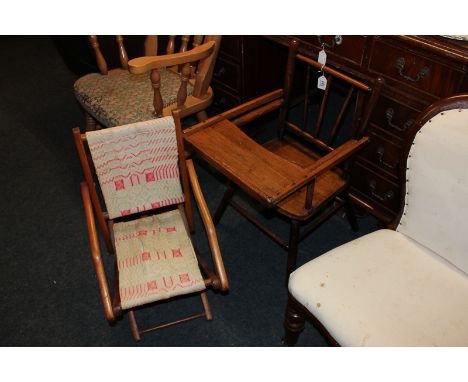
[(150, 49), (356, 91)]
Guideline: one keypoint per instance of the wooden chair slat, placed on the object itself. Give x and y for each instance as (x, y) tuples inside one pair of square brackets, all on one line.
[(340, 116), (100, 60), (151, 46), (318, 123), (335, 73), (305, 114), (122, 52), (170, 48)]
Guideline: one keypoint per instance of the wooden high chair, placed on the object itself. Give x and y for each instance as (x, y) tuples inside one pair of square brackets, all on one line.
[(148, 219), (302, 173)]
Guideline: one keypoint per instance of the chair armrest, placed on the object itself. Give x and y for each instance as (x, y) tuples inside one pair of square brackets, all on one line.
[(147, 63), (96, 254), (332, 159), (209, 226), (337, 156)]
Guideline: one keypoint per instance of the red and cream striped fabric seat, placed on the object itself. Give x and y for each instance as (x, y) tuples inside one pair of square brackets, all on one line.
[(137, 168), (156, 259)]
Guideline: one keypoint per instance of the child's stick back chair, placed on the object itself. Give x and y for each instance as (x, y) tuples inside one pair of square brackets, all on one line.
[(303, 172)]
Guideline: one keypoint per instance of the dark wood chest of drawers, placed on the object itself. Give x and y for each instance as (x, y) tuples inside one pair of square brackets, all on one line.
[(418, 70), (243, 70)]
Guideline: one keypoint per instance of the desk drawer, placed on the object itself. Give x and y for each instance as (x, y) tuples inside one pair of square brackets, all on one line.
[(394, 117), (413, 69), (382, 153), (350, 48), (375, 187)]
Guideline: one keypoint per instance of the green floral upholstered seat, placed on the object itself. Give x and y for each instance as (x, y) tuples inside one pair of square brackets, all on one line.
[(121, 98)]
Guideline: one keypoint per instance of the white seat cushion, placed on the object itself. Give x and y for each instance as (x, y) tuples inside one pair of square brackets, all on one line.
[(385, 289)]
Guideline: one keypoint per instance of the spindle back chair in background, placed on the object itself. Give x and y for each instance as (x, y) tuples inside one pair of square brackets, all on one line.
[(153, 258), (298, 174), (150, 86)]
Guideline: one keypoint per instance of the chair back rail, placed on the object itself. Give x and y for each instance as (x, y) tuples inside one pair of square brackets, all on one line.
[(238, 111)]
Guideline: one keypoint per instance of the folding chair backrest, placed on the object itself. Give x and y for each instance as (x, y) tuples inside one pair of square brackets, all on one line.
[(137, 166)]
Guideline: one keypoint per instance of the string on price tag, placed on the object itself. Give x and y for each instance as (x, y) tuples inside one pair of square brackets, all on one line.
[(322, 59)]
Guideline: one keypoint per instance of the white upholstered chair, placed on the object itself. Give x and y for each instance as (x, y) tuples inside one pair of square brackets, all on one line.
[(408, 285)]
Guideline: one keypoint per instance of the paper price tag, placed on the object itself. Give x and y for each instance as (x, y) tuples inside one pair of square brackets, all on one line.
[(322, 57), (322, 82)]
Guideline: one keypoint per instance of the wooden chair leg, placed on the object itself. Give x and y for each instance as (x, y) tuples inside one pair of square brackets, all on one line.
[(294, 323), (224, 203), (350, 214), (134, 326), (206, 305), (293, 247), (90, 122)]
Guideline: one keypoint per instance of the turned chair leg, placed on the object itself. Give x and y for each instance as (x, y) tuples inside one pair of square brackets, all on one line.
[(223, 204), (134, 326), (293, 247), (294, 323)]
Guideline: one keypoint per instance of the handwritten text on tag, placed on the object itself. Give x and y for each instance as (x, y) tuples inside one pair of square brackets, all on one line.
[(322, 82)]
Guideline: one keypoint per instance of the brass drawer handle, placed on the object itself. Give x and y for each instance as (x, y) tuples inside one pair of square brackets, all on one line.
[(389, 113), (386, 196), (400, 65), (337, 40), (380, 154)]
